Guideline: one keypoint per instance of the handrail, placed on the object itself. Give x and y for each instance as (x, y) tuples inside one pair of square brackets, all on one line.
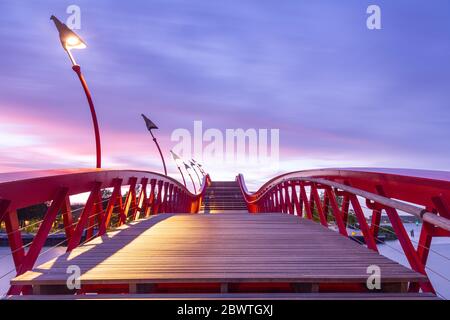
[(418, 212), (415, 186), (157, 194), (77, 180), (421, 214), (424, 194)]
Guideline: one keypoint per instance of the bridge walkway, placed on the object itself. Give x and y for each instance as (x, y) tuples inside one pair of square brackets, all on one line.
[(219, 253)]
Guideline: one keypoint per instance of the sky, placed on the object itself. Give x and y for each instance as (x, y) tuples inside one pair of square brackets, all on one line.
[(340, 94)]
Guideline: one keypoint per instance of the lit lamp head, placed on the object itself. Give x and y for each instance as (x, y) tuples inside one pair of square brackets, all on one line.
[(69, 39)]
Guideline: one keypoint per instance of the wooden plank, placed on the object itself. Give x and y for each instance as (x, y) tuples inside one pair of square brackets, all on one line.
[(229, 248)]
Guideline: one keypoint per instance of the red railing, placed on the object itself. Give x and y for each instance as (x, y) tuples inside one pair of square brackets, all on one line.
[(147, 193), (424, 194)]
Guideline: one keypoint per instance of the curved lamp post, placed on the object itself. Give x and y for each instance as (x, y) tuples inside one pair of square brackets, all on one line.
[(186, 166), (178, 160), (70, 40), (193, 168), (150, 126), (199, 167)]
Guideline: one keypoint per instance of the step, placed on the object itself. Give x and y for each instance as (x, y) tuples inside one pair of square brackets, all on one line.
[(236, 296)]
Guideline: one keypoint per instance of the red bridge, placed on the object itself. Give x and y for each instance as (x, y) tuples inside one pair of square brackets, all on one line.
[(144, 235)]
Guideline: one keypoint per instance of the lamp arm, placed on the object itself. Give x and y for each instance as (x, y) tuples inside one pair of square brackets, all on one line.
[(77, 70), (182, 175), (198, 177), (160, 153), (201, 170), (192, 180)]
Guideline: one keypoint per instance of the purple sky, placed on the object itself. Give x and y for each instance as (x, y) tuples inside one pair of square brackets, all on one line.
[(340, 94)]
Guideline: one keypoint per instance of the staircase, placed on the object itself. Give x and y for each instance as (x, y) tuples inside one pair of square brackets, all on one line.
[(223, 196)]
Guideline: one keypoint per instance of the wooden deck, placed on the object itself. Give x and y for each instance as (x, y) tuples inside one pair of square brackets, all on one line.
[(219, 253)]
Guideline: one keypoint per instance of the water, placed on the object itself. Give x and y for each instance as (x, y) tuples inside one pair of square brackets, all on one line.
[(7, 270), (438, 266)]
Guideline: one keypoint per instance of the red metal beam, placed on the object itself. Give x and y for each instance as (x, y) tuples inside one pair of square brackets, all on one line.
[(115, 196), (83, 219), (38, 243), (368, 236), (316, 200), (336, 212), (304, 198)]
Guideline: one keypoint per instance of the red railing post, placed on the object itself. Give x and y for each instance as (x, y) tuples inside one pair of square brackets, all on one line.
[(262, 204), (305, 199), (183, 202), (271, 201), (115, 195), (368, 236), (283, 198), (280, 193), (4, 204), (285, 191), (376, 217), (141, 200), (336, 212), (375, 222), (316, 199), (96, 216), (157, 203), (14, 237), (38, 243), (67, 218), (170, 201), (294, 198), (265, 207), (408, 248), (144, 204), (188, 203), (180, 200), (176, 204), (345, 207), (423, 249), (83, 219), (130, 198), (288, 197), (165, 196), (277, 199), (151, 198)]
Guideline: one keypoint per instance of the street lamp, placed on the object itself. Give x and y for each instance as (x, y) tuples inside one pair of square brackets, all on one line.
[(187, 167), (70, 40), (199, 166), (178, 160), (193, 168), (150, 126)]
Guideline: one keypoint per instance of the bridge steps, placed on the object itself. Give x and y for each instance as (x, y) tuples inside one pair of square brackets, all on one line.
[(223, 196), (221, 254)]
